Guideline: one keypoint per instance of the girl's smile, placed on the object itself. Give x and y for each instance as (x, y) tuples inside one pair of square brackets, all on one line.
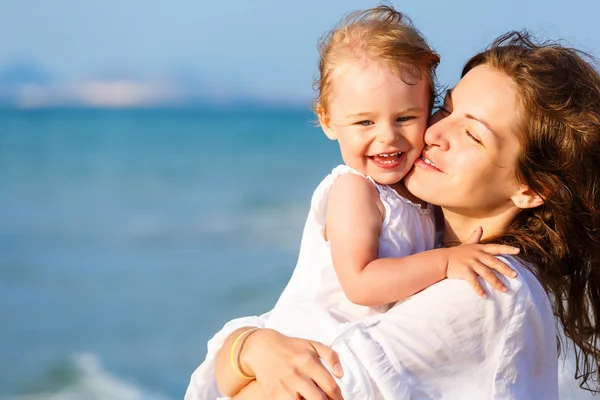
[(377, 118)]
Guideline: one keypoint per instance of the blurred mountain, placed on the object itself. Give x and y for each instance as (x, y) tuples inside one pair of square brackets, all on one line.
[(24, 73), (28, 85), (15, 77)]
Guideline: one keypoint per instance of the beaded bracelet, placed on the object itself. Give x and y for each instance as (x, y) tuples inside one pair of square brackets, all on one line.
[(236, 365)]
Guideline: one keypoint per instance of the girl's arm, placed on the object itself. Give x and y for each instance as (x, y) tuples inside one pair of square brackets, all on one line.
[(353, 227)]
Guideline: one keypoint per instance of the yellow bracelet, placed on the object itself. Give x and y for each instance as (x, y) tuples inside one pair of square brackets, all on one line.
[(236, 365)]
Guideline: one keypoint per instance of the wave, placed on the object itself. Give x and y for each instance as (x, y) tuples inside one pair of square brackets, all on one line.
[(84, 377)]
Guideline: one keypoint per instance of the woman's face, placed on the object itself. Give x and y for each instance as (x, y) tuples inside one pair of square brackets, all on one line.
[(471, 148)]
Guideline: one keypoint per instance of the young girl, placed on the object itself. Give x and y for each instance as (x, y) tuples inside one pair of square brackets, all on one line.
[(365, 238), (367, 241)]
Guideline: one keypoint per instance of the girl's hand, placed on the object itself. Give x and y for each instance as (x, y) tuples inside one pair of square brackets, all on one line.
[(291, 368), (471, 260)]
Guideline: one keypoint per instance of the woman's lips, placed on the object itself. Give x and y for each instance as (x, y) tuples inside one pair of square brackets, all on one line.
[(425, 163)]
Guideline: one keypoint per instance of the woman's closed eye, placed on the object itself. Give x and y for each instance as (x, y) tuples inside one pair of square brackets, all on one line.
[(473, 138)]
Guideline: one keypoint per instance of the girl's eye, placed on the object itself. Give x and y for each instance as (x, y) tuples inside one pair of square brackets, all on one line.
[(404, 119), (365, 123), (473, 138)]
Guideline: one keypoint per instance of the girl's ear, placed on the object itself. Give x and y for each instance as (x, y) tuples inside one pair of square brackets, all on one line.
[(325, 123), (527, 198)]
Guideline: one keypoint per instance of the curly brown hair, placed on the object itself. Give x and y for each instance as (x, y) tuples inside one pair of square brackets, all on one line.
[(559, 90), (380, 33)]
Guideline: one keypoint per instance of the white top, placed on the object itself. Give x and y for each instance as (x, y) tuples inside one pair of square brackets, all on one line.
[(442, 343), (314, 288)]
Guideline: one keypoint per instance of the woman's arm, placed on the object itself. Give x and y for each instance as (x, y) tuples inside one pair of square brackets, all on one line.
[(202, 383), (284, 367), (353, 227), (228, 382), (249, 392), (444, 342)]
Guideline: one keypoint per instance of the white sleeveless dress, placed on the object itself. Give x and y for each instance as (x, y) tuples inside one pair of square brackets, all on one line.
[(313, 304)]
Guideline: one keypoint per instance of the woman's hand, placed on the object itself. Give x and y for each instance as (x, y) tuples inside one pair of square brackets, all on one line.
[(291, 368)]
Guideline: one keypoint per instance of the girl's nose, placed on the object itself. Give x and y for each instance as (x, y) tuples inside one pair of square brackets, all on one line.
[(388, 134)]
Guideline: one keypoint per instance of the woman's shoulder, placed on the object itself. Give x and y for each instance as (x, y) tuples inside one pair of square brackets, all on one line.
[(529, 347), (506, 341), (524, 291), (450, 298), (526, 285), (526, 305)]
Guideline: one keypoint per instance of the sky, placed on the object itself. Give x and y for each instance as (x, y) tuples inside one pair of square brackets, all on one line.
[(262, 48)]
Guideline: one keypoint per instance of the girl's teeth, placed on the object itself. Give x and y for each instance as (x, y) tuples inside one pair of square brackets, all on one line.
[(390, 157)]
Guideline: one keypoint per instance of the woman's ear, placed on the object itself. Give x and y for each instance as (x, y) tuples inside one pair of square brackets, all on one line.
[(325, 123), (527, 198)]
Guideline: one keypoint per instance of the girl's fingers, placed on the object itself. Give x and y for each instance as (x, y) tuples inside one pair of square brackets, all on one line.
[(475, 236), (474, 282), (498, 265), (499, 249), (490, 277)]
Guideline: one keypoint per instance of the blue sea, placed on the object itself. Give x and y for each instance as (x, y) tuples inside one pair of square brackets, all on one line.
[(128, 237)]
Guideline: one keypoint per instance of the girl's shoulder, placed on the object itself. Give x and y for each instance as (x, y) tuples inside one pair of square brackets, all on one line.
[(321, 193), (320, 197), (389, 201)]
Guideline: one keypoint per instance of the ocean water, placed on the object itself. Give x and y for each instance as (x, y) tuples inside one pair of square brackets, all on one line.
[(128, 237)]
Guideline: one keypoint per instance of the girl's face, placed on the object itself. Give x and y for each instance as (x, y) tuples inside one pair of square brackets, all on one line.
[(377, 118), (471, 148)]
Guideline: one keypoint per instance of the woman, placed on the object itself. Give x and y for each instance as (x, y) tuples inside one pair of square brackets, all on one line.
[(515, 149)]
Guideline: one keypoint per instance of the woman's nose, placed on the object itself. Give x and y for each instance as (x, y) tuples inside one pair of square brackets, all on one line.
[(436, 133)]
